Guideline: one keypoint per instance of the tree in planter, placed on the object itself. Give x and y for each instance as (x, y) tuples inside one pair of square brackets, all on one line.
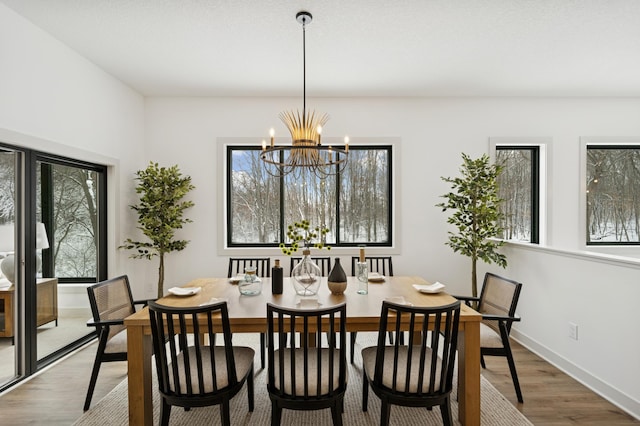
[(474, 199), (160, 213)]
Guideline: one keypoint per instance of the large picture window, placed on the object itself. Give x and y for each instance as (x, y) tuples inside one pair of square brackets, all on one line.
[(519, 189), (613, 194), (355, 205)]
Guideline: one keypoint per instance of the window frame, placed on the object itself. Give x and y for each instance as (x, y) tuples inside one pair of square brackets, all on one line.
[(101, 210), (599, 143), (540, 165), (226, 145)]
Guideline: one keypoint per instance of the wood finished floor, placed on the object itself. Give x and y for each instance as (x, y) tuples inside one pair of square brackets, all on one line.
[(56, 396)]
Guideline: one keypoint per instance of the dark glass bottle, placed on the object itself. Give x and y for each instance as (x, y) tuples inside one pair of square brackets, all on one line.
[(276, 278)]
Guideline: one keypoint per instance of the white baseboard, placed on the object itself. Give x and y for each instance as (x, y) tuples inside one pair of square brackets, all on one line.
[(608, 392)]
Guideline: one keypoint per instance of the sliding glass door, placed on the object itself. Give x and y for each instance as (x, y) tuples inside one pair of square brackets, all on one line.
[(69, 196), (52, 244)]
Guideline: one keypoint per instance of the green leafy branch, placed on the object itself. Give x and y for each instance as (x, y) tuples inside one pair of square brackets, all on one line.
[(303, 235)]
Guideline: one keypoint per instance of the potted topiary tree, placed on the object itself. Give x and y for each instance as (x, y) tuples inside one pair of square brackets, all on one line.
[(476, 214), (160, 213)]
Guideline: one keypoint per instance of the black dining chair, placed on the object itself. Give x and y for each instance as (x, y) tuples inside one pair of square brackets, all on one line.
[(111, 302), (497, 304), (382, 265), (419, 374), (192, 371), (309, 374), (238, 264), (263, 269)]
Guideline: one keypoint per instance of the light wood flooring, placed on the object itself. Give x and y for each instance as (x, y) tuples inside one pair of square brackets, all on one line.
[(56, 396)]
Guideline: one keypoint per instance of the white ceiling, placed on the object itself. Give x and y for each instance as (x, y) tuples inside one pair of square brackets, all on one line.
[(355, 47)]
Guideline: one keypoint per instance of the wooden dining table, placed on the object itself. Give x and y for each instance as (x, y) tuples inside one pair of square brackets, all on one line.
[(247, 314)]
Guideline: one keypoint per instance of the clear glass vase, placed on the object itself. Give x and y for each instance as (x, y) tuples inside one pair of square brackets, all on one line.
[(306, 276)]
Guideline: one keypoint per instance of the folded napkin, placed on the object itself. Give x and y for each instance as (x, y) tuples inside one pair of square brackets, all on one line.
[(184, 291), (374, 276), (429, 288)]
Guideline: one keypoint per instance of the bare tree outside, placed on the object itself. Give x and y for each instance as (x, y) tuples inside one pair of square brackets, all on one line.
[(362, 199), (254, 200), (7, 187), (364, 206), (74, 233), (75, 219), (515, 189), (613, 194), (308, 197)]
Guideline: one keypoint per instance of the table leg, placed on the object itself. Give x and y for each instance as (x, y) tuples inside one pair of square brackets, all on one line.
[(469, 374), (139, 351)]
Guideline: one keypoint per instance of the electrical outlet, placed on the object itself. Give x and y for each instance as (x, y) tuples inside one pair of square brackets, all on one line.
[(573, 331)]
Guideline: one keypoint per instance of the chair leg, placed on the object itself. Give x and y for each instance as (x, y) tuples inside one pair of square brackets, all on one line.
[(365, 391), (336, 413), (93, 380), (165, 412), (276, 414), (225, 413), (390, 337), (482, 361), (445, 410), (263, 344), (353, 336), (514, 374), (385, 413), (250, 389)]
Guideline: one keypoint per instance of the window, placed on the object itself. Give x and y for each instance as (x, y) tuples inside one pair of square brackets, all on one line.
[(355, 205), (69, 197), (519, 185), (613, 194)]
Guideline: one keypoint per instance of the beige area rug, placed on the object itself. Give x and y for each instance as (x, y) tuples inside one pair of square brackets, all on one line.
[(495, 408)]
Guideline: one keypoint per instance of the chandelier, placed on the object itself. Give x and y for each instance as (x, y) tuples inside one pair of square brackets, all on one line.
[(306, 151)]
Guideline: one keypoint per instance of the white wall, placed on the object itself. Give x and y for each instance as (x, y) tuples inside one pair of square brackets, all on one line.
[(601, 297), (55, 101), (433, 133)]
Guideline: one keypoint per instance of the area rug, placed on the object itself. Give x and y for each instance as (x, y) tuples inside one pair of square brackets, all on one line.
[(495, 408)]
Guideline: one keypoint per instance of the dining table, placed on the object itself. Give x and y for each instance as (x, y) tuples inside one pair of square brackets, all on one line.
[(248, 314)]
